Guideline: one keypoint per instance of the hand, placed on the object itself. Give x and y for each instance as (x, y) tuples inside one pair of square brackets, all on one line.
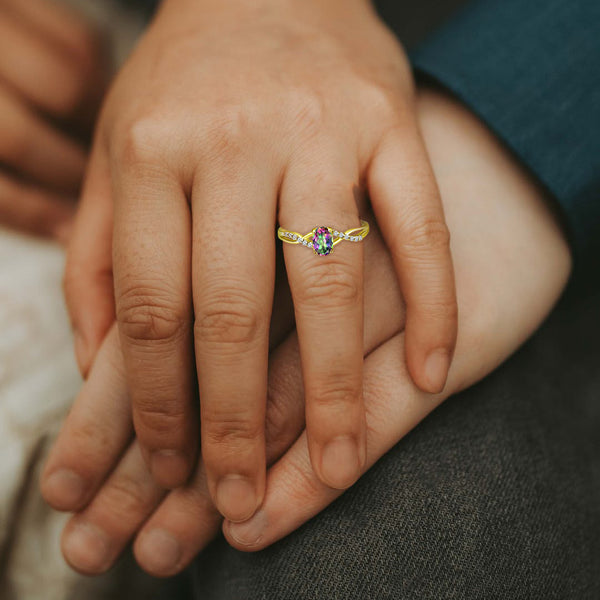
[(223, 108), (51, 78), (506, 244)]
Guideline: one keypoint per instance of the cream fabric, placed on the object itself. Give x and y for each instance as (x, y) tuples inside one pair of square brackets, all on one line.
[(38, 379)]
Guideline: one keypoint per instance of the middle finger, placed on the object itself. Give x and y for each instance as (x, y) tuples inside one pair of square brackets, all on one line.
[(233, 206)]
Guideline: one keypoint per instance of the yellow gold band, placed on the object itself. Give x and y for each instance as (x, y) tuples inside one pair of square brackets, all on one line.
[(323, 239)]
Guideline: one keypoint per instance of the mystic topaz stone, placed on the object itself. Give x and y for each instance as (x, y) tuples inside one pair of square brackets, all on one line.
[(322, 241)]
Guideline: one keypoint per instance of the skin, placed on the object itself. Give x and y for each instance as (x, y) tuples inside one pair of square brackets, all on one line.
[(175, 237), (506, 245), (52, 75)]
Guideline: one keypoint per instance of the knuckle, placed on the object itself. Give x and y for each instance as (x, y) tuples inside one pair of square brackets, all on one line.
[(139, 140), (159, 420), (145, 314), (443, 309), (127, 495), (230, 319), (329, 285), (308, 111), (336, 391), (384, 102), (89, 440), (428, 235), (231, 429), (226, 130)]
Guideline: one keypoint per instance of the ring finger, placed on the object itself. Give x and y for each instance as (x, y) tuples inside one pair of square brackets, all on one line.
[(327, 290)]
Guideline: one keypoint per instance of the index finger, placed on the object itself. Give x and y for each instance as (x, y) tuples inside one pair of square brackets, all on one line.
[(151, 259)]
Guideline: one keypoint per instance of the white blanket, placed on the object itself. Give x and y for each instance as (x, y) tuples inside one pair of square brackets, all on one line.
[(38, 380)]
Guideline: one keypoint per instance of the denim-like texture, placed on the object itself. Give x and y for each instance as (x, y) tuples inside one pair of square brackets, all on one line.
[(496, 495), (531, 70)]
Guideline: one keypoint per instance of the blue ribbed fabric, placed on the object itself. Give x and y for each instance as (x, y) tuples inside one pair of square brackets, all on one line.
[(531, 70)]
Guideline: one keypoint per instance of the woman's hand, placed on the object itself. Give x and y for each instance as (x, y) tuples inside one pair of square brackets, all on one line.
[(52, 75), (506, 244), (229, 117)]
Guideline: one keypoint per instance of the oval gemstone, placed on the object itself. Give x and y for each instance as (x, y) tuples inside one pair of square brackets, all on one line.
[(322, 241)]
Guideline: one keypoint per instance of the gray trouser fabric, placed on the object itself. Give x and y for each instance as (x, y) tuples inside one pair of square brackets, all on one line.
[(495, 495)]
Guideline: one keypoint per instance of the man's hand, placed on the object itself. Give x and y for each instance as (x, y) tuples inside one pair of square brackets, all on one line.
[(506, 245), (52, 75), (229, 117)]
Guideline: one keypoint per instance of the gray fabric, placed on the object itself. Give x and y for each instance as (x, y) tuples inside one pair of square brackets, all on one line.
[(495, 496)]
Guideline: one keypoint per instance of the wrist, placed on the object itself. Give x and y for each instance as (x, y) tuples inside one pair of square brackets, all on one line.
[(435, 99), (478, 169)]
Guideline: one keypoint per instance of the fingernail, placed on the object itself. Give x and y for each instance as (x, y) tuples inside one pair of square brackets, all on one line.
[(340, 462), (250, 532), (64, 489), (169, 468), (87, 548), (236, 498), (159, 552), (436, 370)]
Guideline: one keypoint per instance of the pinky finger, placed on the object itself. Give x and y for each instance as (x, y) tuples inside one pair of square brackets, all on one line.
[(32, 209), (407, 205)]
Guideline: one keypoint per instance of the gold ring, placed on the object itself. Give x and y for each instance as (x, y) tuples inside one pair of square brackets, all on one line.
[(323, 239)]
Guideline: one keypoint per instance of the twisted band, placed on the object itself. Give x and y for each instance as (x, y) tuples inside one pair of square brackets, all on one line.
[(323, 239)]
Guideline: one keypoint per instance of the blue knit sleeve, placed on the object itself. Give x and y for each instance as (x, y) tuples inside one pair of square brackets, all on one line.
[(530, 69)]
